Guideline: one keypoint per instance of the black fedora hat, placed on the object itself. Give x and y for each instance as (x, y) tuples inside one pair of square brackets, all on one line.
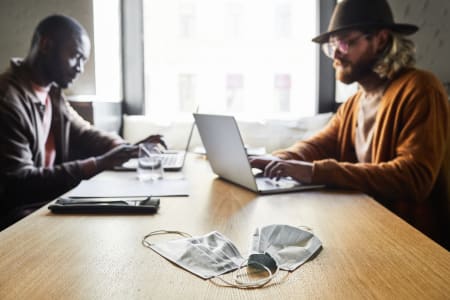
[(361, 14)]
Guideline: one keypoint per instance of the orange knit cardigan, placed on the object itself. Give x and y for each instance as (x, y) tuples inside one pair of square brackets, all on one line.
[(410, 151)]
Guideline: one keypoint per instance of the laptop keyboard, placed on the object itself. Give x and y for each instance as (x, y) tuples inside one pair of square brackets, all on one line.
[(172, 160), (169, 160)]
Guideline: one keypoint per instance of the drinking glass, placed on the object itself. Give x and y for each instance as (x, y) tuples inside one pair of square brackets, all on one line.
[(150, 166)]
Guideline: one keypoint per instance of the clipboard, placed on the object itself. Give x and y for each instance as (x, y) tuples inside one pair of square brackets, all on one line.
[(138, 205)]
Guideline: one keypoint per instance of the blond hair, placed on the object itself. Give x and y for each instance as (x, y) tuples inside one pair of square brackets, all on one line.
[(399, 54)]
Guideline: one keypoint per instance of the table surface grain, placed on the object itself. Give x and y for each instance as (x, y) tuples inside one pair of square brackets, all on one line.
[(368, 252)]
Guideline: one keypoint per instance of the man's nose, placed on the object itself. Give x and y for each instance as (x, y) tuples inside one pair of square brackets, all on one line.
[(79, 67), (337, 54)]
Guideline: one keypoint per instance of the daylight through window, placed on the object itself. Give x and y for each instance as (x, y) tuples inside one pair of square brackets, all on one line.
[(248, 58)]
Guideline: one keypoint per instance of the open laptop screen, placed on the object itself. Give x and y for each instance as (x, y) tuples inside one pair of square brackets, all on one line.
[(228, 158)]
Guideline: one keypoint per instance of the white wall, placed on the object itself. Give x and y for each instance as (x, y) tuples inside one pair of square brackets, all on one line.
[(433, 38)]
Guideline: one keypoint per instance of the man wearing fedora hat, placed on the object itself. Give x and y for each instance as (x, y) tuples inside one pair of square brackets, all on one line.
[(391, 138)]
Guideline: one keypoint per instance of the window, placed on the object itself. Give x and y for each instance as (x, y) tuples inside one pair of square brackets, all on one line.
[(235, 100), (343, 91), (244, 57), (233, 18), (186, 88), (107, 50), (282, 90), (283, 16), (187, 19)]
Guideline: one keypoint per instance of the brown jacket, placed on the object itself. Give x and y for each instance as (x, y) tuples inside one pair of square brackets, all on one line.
[(410, 168), (23, 177)]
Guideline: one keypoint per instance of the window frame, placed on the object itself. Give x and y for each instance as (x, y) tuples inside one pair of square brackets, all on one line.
[(326, 82), (133, 57)]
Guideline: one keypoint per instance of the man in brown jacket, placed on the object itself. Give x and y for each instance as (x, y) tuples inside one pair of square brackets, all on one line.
[(46, 148), (390, 139)]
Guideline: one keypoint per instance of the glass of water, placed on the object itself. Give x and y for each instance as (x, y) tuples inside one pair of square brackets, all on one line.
[(150, 166)]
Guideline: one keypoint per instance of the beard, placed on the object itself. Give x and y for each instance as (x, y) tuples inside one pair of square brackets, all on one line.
[(57, 70), (63, 84), (348, 72)]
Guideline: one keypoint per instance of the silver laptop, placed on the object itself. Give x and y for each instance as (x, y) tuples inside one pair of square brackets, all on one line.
[(173, 160), (228, 158)]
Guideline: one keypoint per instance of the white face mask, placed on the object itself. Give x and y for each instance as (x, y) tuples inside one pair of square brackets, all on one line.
[(273, 247), (207, 256), (287, 245)]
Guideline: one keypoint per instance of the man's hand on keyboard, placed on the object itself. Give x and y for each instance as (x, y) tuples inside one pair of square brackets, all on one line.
[(154, 139)]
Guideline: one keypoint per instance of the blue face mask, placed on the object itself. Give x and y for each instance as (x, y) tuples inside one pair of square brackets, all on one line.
[(273, 247)]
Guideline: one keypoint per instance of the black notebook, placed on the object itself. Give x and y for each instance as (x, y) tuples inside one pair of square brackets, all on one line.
[(105, 205)]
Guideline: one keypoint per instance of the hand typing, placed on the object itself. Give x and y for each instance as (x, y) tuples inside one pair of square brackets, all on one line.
[(116, 156)]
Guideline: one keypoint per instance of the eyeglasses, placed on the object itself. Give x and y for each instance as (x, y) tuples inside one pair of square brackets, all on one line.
[(343, 46)]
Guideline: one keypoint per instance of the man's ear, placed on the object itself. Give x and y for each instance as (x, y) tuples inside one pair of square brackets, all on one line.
[(45, 45), (383, 37)]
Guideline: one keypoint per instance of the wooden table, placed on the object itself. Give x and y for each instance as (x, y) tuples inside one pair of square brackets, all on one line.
[(367, 251)]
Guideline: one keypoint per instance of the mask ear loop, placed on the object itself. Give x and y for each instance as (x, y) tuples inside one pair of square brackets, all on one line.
[(148, 244), (257, 283), (250, 284)]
